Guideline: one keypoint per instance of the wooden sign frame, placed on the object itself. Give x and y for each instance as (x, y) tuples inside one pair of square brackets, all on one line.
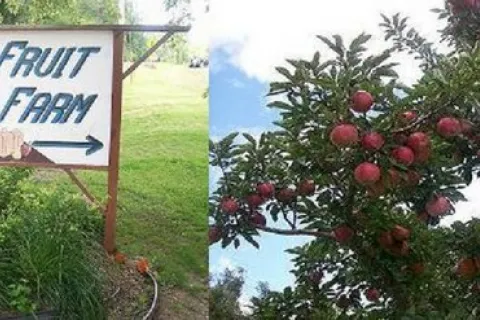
[(118, 75)]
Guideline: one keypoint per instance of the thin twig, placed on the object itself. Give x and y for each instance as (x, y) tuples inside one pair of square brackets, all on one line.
[(297, 232)]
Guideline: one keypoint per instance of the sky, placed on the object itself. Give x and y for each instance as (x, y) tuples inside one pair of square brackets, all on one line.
[(247, 39)]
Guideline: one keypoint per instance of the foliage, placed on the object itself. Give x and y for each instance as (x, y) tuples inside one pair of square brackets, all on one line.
[(59, 12), (135, 42), (49, 253), (224, 293), (175, 50), (334, 272)]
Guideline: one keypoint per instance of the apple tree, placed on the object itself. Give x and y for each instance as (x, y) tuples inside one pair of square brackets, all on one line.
[(367, 167)]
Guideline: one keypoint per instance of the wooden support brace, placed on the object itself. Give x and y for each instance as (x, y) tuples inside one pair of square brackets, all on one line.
[(147, 54), (85, 191)]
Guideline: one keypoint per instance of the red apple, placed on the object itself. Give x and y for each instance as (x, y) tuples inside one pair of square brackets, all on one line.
[(408, 116), (316, 277), (400, 249), (377, 189), (286, 195), (306, 188), (385, 239), (417, 268), (343, 234), (344, 135), (400, 138), (266, 190), (372, 294), (403, 155), (367, 173), (437, 206), (466, 126), (418, 141), (448, 127), (229, 205), (258, 219), (214, 234), (254, 200), (413, 178), (362, 101), (373, 141), (400, 233), (422, 156), (466, 268), (393, 178)]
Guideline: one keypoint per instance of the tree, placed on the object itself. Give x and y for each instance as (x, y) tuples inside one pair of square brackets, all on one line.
[(370, 188), (225, 292), (135, 42), (59, 12)]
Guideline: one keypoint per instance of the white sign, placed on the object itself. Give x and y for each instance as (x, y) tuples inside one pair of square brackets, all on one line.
[(56, 96)]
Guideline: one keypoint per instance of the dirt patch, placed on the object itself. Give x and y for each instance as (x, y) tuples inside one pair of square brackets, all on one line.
[(176, 304), (129, 296)]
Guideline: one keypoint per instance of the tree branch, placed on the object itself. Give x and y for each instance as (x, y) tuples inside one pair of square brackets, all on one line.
[(297, 232), (413, 124)]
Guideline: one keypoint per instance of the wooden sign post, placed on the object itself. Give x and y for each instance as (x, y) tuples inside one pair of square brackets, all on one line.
[(61, 101)]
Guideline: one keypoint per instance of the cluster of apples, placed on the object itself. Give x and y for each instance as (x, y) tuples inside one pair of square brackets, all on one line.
[(462, 5), (395, 241), (409, 150), (264, 191)]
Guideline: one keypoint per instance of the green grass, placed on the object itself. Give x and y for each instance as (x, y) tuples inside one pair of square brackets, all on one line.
[(163, 173)]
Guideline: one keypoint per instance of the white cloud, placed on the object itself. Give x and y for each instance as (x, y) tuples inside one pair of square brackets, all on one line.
[(259, 35), (466, 210), (222, 264)]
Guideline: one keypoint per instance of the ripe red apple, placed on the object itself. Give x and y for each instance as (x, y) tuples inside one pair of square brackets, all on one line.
[(316, 277), (400, 248), (372, 294), (417, 268), (343, 234), (448, 127), (258, 219), (400, 233), (377, 189), (266, 190), (286, 195), (306, 188), (400, 138), (214, 234), (466, 126), (466, 268), (229, 205), (413, 178), (367, 173), (418, 141), (403, 155), (362, 101), (373, 141), (385, 239), (408, 116), (437, 205), (344, 135), (422, 156), (254, 200), (393, 178)]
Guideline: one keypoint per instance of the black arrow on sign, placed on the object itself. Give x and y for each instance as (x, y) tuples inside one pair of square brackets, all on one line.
[(92, 145)]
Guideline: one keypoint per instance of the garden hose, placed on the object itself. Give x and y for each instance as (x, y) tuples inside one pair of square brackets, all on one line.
[(155, 297)]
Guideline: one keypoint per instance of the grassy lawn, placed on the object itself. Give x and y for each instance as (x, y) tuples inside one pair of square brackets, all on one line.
[(164, 173)]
